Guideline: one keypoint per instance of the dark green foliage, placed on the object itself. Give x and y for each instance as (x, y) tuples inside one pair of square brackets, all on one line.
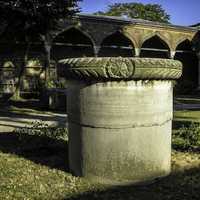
[(41, 136), (187, 138), (42, 129), (33, 16), (30, 21), (152, 12)]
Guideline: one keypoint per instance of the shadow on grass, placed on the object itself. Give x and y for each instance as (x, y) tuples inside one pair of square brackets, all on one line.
[(180, 186), (16, 118), (12, 117), (33, 104), (39, 149)]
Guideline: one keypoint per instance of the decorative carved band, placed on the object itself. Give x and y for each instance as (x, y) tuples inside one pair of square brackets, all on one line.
[(121, 68)]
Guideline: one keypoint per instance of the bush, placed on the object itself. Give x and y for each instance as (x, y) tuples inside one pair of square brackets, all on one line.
[(41, 133), (187, 138)]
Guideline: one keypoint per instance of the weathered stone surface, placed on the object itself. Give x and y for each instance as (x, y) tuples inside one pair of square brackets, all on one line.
[(122, 68), (124, 104), (120, 130), (120, 156)]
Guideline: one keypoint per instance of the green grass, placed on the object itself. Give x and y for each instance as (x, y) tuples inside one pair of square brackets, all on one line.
[(187, 100), (34, 167), (25, 177), (186, 130), (187, 115)]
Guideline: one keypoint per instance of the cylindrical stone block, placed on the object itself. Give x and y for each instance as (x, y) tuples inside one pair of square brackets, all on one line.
[(120, 132), (120, 124)]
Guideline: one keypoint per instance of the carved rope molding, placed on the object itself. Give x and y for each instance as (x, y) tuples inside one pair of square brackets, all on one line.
[(121, 68)]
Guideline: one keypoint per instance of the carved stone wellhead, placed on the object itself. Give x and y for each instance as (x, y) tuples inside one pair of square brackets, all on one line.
[(120, 115), (122, 68)]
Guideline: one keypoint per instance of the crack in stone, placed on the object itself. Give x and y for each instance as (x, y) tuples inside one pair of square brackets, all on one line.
[(128, 127)]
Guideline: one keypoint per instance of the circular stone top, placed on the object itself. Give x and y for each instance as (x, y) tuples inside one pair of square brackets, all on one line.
[(99, 68)]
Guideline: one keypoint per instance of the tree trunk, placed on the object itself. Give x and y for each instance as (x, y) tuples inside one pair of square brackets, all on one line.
[(16, 95), (47, 47), (43, 91), (47, 50)]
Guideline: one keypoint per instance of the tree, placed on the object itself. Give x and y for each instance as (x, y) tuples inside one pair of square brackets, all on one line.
[(35, 18), (152, 12)]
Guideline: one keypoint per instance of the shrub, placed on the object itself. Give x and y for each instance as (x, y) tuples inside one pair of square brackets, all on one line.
[(42, 130), (187, 138)]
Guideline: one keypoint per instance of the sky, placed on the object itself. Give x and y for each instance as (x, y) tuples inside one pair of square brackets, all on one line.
[(182, 12)]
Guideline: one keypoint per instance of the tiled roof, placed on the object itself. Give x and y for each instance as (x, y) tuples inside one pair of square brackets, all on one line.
[(124, 20)]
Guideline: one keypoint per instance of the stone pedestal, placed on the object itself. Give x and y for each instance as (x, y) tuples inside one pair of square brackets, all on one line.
[(120, 114)]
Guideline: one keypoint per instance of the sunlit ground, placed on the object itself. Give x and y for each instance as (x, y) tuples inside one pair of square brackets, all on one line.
[(35, 167)]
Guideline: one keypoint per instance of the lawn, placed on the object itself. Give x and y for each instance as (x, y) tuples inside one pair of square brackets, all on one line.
[(34, 166)]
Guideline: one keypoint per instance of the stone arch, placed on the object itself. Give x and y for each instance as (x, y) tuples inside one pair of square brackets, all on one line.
[(189, 59), (152, 34), (82, 30), (131, 37), (181, 40), (116, 44), (72, 42), (155, 47)]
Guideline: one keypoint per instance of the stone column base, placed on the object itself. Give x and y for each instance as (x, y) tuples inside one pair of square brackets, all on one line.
[(120, 132), (120, 114)]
